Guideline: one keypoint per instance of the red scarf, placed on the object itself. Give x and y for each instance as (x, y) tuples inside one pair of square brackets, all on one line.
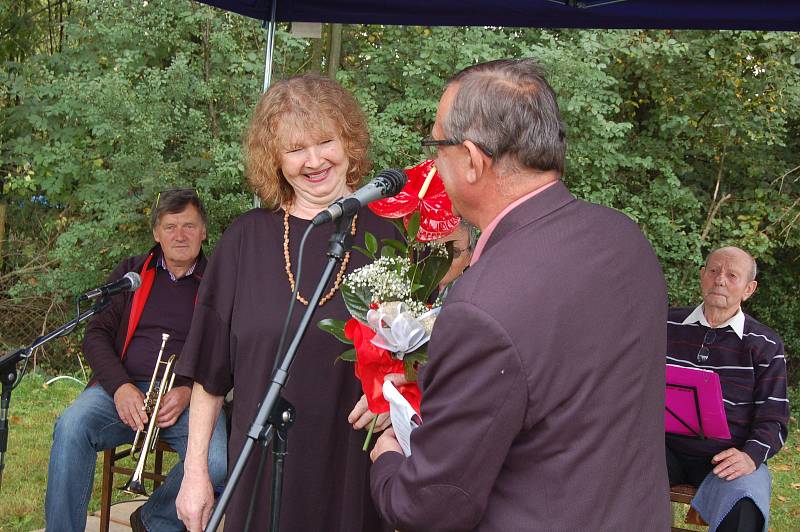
[(139, 299)]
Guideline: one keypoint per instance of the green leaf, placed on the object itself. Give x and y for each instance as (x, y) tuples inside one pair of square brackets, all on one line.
[(336, 328), (413, 226), (357, 301), (426, 278), (371, 242), (365, 252), (396, 244), (411, 363), (348, 356), (398, 223)]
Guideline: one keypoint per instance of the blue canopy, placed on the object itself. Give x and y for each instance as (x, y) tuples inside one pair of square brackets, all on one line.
[(646, 14)]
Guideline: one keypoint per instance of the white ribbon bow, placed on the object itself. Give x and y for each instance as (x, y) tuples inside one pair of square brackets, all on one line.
[(403, 332)]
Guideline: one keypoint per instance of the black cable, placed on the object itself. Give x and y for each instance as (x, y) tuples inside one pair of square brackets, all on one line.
[(254, 493), (294, 296), (278, 358)]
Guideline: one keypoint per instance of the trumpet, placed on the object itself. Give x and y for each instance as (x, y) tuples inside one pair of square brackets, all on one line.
[(142, 445)]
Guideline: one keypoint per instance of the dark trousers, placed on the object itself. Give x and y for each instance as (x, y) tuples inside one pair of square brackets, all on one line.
[(682, 469)]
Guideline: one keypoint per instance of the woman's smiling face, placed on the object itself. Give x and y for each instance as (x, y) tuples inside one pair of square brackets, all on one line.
[(315, 165)]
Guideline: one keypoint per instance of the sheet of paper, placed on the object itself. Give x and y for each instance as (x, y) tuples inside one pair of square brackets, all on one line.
[(402, 414)]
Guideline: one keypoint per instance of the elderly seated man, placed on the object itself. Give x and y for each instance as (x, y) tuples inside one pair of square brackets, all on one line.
[(732, 475)]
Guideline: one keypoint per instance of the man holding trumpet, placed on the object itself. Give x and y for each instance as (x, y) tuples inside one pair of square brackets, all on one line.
[(123, 345)]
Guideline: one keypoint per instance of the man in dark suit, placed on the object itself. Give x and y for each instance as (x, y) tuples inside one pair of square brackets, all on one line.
[(543, 397)]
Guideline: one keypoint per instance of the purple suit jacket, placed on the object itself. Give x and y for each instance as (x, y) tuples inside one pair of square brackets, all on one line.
[(543, 397)]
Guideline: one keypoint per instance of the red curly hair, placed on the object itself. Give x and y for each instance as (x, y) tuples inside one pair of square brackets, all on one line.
[(308, 103)]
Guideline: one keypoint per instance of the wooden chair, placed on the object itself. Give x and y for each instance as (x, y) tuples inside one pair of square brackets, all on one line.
[(683, 494), (110, 467)]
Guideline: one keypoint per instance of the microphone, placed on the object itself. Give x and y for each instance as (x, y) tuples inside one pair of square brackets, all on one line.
[(129, 282), (386, 184)]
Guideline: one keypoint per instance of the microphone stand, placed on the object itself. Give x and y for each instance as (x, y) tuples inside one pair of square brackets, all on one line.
[(273, 407), (8, 370)]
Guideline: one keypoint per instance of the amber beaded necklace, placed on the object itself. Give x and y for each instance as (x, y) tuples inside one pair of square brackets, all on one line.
[(288, 261)]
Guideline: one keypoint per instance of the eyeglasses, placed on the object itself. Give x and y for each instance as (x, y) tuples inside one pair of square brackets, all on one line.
[(459, 251), (430, 146), (702, 354)]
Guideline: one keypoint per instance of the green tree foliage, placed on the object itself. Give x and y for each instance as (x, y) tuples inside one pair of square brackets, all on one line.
[(692, 134), (141, 98)]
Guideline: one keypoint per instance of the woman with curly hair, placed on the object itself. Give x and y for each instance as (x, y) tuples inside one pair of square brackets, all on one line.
[(306, 147)]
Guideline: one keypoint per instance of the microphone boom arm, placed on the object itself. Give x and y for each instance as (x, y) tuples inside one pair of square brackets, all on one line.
[(8, 371)]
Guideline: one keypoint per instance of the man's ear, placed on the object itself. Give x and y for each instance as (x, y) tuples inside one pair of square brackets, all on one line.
[(749, 289), (479, 162)]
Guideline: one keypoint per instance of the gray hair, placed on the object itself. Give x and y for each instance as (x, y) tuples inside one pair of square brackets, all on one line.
[(473, 232), (507, 107), (175, 201)]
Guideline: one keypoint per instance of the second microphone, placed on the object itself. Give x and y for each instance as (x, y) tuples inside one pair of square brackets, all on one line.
[(386, 184)]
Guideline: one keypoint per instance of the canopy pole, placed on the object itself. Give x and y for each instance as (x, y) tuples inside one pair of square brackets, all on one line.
[(270, 26), (270, 47)]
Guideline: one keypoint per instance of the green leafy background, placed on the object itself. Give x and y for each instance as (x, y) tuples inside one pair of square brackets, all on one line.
[(693, 134)]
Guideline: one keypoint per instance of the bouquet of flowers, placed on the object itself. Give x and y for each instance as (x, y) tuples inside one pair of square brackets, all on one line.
[(393, 300)]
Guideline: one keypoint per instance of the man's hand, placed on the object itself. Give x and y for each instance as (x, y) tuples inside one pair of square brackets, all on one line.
[(361, 416), (172, 406), (129, 401), (195, 501), (387, 442), (732, 463)]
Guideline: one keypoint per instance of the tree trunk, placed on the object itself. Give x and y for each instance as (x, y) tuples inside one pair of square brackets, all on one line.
[(334, 50), (212, 111), (2, 231), (315, 67)]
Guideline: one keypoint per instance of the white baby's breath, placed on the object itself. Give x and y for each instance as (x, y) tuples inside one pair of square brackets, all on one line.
[(386, 280)]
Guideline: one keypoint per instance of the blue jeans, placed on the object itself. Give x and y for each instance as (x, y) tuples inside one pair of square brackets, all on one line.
[(91, 424)]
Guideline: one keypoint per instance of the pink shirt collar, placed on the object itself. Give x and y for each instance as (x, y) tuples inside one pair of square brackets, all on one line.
[(487, 233)]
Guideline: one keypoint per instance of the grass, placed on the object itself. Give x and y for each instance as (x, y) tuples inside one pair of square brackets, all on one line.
[(35, 408), (32, 412)]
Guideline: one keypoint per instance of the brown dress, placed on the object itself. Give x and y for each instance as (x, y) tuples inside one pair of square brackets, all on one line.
[(235, 332)]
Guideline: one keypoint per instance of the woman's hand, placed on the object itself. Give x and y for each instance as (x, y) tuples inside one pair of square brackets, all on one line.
[(196, 498), (195, 501), (361, 416)]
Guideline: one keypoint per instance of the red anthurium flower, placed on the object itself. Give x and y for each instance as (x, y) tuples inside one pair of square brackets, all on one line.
[(373, 364), (425, 192)]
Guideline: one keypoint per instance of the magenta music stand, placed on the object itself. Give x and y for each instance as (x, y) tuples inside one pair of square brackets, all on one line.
[(693, 404)]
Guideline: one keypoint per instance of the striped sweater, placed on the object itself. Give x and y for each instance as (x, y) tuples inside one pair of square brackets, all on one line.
[(752, 372)]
